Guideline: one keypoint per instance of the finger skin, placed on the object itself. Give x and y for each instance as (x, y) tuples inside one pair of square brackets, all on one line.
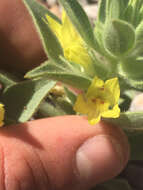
[(41, 154), (20, 46)]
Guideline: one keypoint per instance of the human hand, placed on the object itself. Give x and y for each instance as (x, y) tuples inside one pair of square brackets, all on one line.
[(47, 154), (61, 153), (20, 45)]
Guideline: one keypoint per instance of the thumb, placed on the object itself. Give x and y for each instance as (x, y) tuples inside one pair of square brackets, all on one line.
[(60, 153)]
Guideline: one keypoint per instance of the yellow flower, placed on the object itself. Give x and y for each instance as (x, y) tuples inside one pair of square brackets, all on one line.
[(2, 111), (71, 42), (101, 100)]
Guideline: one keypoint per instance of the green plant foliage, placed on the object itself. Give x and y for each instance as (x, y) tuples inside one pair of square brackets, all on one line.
[(67, 74), (129, 66), (50, 43), (80, 21), (111, 9), (102, 67), (22, 100), (70, 95), (138, 50), (114, 8), (117, 43), (102, 11), (136, 84), (114, 184), (133, 12), (132, 124), (119, 37), (7, 80), (55, 107)]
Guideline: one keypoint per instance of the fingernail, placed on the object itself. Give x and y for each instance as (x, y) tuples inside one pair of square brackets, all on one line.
[(99, 158)]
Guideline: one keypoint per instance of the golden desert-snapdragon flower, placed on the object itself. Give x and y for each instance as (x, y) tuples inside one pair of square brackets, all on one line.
[(2, 112), (71, 42), (100, 100)]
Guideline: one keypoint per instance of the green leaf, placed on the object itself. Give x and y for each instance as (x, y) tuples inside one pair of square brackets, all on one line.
[(51, 44), (69, 74), (74, 80), (101, 64), (64, 105), (101, 17), (55, 107), (129, 78), (132, 68), (113, 8), (139, 33), (7, 79), (41, 10), (131, 93), (123, 7), (98, 32), (138, 50), (70, 95), (114, 184), (46, 66), (128, 13), (80, 21), (49, 109), (132, 124), (135, 14), (22, 100), (136, 84), (141, 15), (49, 66), (119, 37)]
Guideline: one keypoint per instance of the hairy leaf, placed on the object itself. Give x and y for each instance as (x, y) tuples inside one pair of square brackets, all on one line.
[(138, 50), (102, 11), (119, 37), (7, 79), (132, 124), (51, 44), (55, 107), (69, 74), (23, 99), (132, 68)]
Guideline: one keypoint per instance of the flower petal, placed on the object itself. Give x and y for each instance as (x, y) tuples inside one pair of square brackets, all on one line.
[(55, 26), (2, 111), (93, 89), (113, 90), (94, 120), (80, 105), (68, 32), (96, 108), (82, 58), (114, 113)]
